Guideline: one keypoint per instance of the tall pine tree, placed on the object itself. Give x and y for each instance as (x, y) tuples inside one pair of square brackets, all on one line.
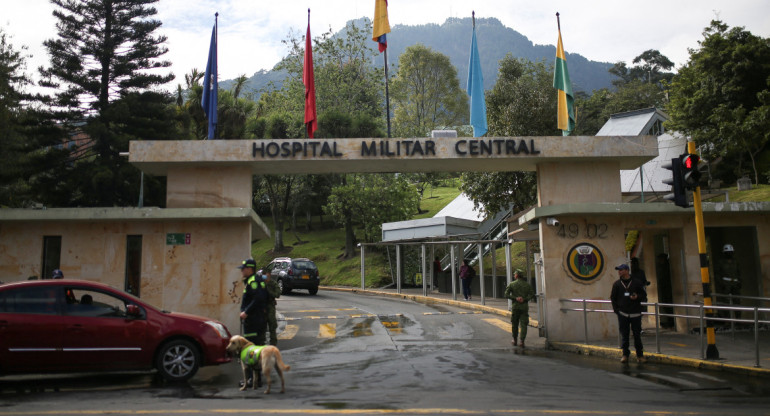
[(104, 65)]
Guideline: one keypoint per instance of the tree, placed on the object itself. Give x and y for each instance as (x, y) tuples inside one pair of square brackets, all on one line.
[(651, 70), (426, 93), (521, 103), (641, 86), (349, 104), (721, 97), (28, 141), (104, 52), (370, 200)]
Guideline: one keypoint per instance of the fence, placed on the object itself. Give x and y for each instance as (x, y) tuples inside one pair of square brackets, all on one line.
[(701, 317)]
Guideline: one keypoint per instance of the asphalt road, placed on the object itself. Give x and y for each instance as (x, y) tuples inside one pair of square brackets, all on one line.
[(357, 354)]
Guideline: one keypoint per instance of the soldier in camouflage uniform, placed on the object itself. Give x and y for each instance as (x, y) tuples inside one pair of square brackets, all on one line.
[(520, 292), (273, 292)]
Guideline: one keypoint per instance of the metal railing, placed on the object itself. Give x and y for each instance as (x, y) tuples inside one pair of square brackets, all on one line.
[(701, 316), (734, 300)]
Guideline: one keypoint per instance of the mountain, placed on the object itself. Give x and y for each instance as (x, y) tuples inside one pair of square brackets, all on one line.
[(453, 39)]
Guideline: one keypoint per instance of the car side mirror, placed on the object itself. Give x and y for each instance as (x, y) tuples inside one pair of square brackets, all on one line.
[(133, 310)]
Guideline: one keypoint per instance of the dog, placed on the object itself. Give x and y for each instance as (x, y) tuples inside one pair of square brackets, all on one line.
[(267, 357)]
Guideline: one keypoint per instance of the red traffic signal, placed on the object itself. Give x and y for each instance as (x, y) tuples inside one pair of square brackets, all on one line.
[(690, 173)]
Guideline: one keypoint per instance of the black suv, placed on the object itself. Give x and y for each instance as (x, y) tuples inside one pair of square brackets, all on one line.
[(299, 273)]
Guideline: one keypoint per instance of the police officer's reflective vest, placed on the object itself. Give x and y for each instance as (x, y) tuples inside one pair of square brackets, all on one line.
[(254, 283)]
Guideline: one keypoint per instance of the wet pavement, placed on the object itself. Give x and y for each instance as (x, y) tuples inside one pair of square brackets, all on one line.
[(737, 349)]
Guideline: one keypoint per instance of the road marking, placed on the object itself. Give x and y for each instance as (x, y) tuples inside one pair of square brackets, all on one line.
[(369, 315), (505, 326), (327, 330), (676, 344), (289, 332), (362, 329)]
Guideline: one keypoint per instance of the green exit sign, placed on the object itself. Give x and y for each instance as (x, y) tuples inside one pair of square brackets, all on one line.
[(177, 239)]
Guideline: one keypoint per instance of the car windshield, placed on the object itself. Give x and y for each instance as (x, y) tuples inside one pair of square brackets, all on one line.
[(304, 264)]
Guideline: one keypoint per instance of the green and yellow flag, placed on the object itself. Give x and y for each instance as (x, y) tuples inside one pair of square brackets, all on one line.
[(565, 100)]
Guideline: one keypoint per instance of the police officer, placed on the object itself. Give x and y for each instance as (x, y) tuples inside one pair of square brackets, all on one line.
[(273, 293), (253, 304), (728, 273), (727, 276), (520, 292)]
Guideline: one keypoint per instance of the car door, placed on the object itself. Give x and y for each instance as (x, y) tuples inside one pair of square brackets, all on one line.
[(31, 329), (101, 335)]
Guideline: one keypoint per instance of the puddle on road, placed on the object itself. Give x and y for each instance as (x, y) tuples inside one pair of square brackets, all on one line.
[(395, 324)]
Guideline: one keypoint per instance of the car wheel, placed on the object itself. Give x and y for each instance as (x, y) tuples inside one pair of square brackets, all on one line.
[(313, 291), (178, 360), (284, 289)]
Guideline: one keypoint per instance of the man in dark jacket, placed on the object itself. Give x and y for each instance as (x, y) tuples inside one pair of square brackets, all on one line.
[(253, 304), (627, 296)]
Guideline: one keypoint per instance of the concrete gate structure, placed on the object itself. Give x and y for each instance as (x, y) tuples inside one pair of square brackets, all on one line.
[(189, 250), (570, 170)]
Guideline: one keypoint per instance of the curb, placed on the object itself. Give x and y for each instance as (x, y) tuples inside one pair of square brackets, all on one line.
[(583, 349), (427, 300), (615, 353)]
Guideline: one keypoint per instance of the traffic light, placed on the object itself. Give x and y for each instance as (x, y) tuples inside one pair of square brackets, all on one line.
[(677, 183), (690, 172)]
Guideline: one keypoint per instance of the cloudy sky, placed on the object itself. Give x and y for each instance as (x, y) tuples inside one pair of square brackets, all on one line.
[(251, 31)]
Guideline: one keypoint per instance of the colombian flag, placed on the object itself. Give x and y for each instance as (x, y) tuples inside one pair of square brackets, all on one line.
[(381, 24), (565, 102)]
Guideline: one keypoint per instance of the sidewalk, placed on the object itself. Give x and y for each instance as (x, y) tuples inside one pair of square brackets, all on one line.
[(737, 353)]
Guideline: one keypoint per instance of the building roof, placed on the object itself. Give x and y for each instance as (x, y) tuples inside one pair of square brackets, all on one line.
[(648, 121), (642, 122), (461, 207), (258, 228)]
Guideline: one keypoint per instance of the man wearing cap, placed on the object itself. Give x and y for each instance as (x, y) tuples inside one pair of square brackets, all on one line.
[(253, 304), (520, 293), (627, 296)]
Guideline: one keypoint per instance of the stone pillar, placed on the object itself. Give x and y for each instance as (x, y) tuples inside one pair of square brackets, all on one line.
[(579, 253)]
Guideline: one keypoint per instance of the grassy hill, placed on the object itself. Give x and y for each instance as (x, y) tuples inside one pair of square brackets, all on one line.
[(325, 244)]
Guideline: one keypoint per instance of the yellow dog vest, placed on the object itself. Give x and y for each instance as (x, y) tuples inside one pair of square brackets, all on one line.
[(250, 354)]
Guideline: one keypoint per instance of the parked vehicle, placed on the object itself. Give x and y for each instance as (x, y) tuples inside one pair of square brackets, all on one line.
[(297, 273), (72, 325)]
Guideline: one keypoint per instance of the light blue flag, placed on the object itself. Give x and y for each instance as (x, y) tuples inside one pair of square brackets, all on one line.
[(211, 86), (476, 91)]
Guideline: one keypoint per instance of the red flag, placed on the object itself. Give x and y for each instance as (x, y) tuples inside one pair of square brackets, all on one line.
[(309, 80)]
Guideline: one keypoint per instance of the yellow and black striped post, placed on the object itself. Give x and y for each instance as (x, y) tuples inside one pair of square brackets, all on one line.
[(711, 349)]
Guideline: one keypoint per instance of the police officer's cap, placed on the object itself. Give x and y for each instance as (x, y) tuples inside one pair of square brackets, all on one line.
[(248, 263), (728, 248)]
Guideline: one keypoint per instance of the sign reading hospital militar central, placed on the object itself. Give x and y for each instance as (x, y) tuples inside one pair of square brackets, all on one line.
[(367, 155), (394, 148)]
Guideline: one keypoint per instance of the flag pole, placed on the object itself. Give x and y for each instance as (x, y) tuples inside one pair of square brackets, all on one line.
[(387, 95), (216, 57), (558, 23), (304, 63)]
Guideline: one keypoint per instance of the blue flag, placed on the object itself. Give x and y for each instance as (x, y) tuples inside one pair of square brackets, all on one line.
[(476, 91), (211, 86)]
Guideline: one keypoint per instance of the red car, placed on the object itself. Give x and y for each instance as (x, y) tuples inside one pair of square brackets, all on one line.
[(72, 325)]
